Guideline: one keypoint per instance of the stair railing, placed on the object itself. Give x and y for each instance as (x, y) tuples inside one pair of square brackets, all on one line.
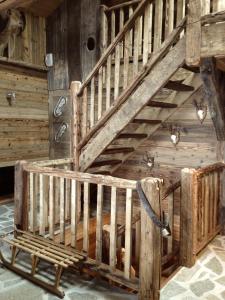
[(48, 202), (114, 78)]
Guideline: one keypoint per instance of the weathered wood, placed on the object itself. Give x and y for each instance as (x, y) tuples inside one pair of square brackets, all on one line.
[(118, 150), (98, 253), (86, 216), (132, 136), (193, 34), (113, 229), (214, 81), (142, 121), (161, 104), (74, 212), (128, 234), (62, 210), (105, 163), (150, 259), (187, 225)]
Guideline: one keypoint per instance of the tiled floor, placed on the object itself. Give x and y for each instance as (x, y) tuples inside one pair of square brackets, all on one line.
[(206, 280)]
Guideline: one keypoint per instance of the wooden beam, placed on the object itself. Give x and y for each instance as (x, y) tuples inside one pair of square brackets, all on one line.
[(188, 196), (150, 259), (193, 34), (214, 87)]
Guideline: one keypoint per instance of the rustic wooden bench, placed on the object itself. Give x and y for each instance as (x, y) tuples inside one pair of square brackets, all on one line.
[(45, 249)]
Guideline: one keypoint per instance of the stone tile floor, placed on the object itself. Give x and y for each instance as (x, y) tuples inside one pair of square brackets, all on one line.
[(206, 280)]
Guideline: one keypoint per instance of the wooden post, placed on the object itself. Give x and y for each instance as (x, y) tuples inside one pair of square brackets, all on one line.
[(150, 252), (193, 35), (75, 87), (187, 217), (21, 196)]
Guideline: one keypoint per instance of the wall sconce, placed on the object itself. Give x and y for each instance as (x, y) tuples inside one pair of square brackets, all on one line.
[(49, 60), (149, 161), (11, 98), (201, 110), (174, 135)]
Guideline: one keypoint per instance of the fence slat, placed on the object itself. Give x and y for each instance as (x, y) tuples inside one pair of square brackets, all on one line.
[(146, 34), (100, 93), (84, 113), (126, 60), (86, 216), (113, 229), (42, 206), (108, 82), (169, 26), (92, 104), (136, 47), (99, 224), (51, 208), (62, 211), (170, 199), (117, 73), (158, 24), (33, 208), (131, 11), (121, 27), (113, 25), (74, 212), (128, 234)]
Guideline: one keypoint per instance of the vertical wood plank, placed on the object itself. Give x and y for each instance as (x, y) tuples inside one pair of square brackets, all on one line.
[(158, 24), (136, 47), (140, 35), (206, 205), (74, 213), (62, 211), (131, 11), (117, 73), (42, 206), (104, 31), (121, 28), (99, 224), (113, 229), (169, 26), (205, 4), (126, 60), (150, 38), (170, 199), (51, 208), (113, 25), (108, 82), (193, 34), (128, 234), (100, 93), (137, 242), (150, 260), (86, 216), (92, 104), (33, 210)]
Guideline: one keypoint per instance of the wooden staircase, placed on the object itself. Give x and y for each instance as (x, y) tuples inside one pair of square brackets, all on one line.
[(132, 91)]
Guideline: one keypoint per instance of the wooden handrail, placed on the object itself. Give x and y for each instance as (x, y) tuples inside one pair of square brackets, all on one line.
[(134, 84), (118, 6), (113, 45), (205, 170), (82, 177), (54, 162)]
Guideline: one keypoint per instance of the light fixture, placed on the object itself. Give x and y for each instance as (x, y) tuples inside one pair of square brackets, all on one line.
[(201, 110), (149, 161), (174, 135), (49, 60)]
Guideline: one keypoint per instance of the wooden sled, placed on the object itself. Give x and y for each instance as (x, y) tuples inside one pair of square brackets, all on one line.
[(41, 248)]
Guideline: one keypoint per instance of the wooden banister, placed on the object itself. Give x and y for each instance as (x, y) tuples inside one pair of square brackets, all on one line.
[(122, 5)]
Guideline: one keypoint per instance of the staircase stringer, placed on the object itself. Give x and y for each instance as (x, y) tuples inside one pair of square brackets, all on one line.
[(150, 86), (178, 98)]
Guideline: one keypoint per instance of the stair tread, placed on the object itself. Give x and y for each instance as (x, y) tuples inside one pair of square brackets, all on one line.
[(132, 135), (118, 150), (161, 104), (110, 162), (153, 122), (178, 86)]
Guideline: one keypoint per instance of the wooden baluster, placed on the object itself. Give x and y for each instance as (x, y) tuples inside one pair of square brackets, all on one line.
[(218, 5), (126, 60), (140, 36), (99, 224), (84, 121), (131, 11), (146, 35), (158, 24), (180, 10), (42, 206), (51, 208), (121, 28), (205, 4), (199, 211), (216, 184), (92, 104), (136, 46), (219, 201), (113, 230), (67, 196), (128, 234), (137, 242), (117, 73), (104, 31), (203, 206), (56, 200), (108, 82), (207, 200), (33, 207), (74, 212), (170, 199), (62, 211), (100, 93), (169, 26), (150, 44), (86, 216), (113, 25)]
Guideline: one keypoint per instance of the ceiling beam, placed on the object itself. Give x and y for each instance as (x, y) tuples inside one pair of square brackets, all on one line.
[(214, 89)]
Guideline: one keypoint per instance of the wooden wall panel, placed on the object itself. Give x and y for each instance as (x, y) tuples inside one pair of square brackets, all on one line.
[(24, 123)]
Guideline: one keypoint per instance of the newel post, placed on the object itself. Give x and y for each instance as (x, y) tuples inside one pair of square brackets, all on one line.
[(188, 217), (21, 196), (150, 252), (76, 123)]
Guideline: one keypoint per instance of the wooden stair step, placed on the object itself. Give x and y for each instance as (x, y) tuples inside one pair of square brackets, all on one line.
[(132, 136), (102, 163), (118, 150), (161, 104), (146, 121), (178, 86)]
